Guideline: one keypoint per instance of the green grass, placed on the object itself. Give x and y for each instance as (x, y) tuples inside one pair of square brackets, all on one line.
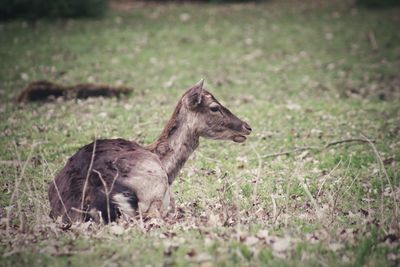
[(302, 75)]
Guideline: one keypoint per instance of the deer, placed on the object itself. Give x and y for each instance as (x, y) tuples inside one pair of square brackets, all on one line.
[(110, 178)]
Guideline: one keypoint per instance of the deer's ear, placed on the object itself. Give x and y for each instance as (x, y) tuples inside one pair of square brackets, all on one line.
[(194, 96)]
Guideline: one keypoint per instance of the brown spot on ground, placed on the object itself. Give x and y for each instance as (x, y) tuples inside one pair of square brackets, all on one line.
[(45, 90)]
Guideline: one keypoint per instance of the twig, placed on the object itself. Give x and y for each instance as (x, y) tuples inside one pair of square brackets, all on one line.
[(207, 158), (142, 227), (274, 207), (221, 192), (107, 190), (339, 181), (372, 40), (383, 170), (56, 187), (278, 214), (28, 161), (351, 140), (287, 199), (80, 211), (41, 203), (352, 182), (19, 206), (16, 188), (312, 199), (115, 177), (255, 188), (288, 152), (237, 213), (300, 149), (303, 183), (326, 177), (88, 174)]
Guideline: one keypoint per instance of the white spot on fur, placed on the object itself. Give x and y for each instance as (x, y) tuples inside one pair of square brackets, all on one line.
[(124, 205)]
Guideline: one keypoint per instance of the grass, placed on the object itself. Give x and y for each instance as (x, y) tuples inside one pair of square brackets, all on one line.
[(302, 75)]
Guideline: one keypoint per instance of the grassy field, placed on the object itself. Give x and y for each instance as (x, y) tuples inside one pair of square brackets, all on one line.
[(304, 75)]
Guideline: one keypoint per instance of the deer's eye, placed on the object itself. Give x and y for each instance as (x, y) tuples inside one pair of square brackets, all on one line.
[(214, 108)]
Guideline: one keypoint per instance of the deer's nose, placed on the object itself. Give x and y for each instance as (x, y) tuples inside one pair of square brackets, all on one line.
[(246, 127)]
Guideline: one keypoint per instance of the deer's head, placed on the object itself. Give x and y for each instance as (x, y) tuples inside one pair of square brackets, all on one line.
[(210, 119)]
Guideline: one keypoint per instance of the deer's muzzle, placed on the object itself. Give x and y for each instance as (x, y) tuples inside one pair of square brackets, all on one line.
[(246, 130)]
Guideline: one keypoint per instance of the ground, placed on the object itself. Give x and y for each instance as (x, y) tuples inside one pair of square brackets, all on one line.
[(303, 74)]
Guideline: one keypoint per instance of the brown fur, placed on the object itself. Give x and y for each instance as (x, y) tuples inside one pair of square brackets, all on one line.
[(126, 177)]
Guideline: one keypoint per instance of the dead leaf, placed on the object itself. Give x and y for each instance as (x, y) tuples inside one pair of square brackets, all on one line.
[(281, 244), (251, 241), (316, 133), (191, 253), (293, 106), (202, 257), (262, 234), (184, 17), (24, 76), (335, 246), (303, 155), (116, 229)]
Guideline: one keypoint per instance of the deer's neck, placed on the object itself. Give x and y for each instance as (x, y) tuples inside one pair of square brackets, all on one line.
[(176, 143)]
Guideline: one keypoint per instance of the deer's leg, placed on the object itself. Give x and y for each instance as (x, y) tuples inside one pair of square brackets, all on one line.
[(150, 209), (155, 203)]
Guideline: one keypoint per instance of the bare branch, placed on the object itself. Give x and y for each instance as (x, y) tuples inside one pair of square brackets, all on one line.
[(275, 214), (312, 199), (56, 187), (351, 140), (300, 149), (107, 192), (88, 174), (288, 152), (326, 177)]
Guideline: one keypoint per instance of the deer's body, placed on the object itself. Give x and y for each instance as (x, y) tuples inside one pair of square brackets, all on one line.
[(116, 176)]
